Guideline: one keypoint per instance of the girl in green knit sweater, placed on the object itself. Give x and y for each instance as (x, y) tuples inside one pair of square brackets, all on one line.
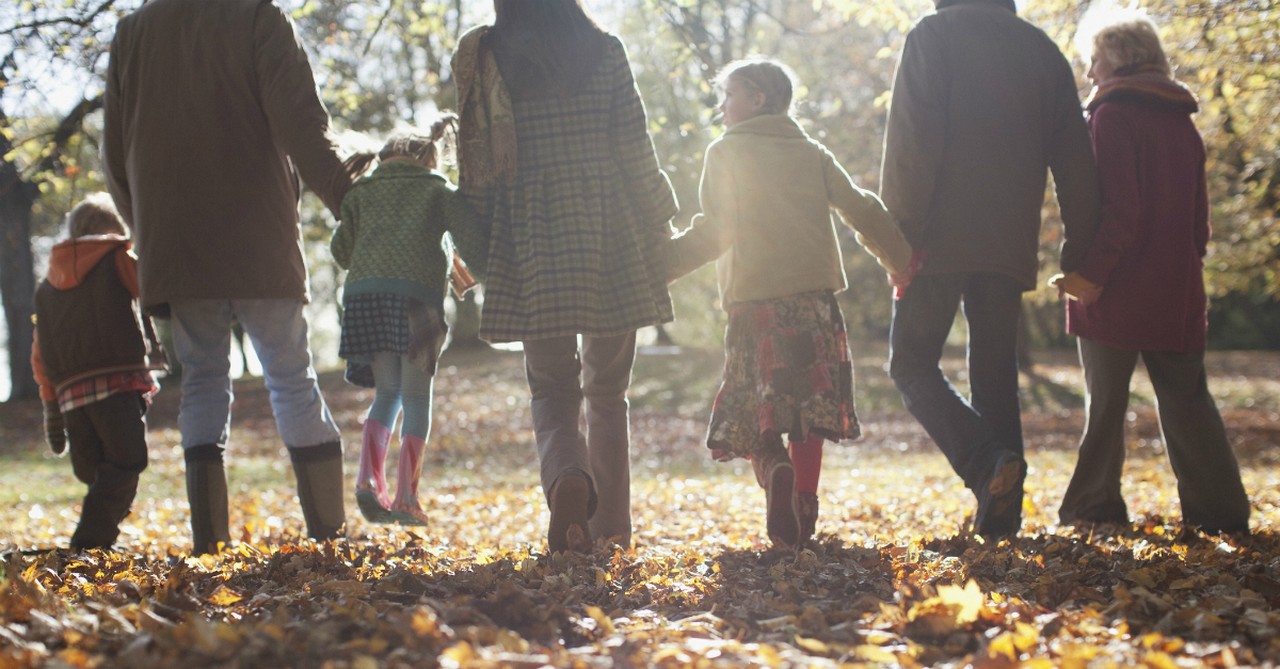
[(392, 243)]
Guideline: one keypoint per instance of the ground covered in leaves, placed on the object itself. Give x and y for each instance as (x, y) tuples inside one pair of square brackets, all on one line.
[(895, 578)]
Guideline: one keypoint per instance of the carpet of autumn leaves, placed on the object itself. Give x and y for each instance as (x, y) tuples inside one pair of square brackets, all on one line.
[(895, 578)]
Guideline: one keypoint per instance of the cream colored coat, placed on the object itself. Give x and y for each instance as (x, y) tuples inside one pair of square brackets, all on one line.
[(767, 195)]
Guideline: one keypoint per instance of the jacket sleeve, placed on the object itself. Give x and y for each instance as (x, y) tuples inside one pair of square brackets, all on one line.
[(298, 119), (47, 391), (1122, 220), (915, 134), (648, 187), (470, 235), (711, 232), (1203, 229), (862, 211), (344, 238), (112, 151), (1075, 171)]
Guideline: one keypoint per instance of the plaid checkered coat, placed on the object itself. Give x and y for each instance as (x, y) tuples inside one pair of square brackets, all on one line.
[(576, 244)]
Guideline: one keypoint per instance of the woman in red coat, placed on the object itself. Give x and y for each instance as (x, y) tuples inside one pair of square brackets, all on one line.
[(1142, 288)]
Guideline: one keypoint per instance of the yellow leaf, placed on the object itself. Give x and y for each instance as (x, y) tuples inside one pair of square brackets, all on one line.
[(603, 620), (224, 596), (1003, 646), (967, 600)]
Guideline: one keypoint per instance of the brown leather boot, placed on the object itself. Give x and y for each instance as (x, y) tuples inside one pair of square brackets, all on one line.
[(568, 500)]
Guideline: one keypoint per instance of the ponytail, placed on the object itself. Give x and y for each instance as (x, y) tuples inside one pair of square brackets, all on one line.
[(359, 164)]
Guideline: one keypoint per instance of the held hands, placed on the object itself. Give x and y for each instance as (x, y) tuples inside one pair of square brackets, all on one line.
[(901, 280), (1076, 287), (54, 428)]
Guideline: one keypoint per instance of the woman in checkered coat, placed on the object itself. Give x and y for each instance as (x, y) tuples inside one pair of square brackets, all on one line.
[(555, 153)]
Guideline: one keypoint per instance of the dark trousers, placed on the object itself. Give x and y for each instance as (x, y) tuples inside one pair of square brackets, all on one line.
[(108, 441), (971, 433), (1209, 485)]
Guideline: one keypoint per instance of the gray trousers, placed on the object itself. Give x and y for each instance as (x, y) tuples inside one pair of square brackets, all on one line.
[(1209, 485), (563, 381)]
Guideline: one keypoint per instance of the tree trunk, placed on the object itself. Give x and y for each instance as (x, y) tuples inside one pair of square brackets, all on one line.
[(17, 276)]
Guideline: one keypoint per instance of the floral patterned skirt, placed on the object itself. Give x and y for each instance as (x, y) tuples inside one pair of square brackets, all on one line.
[(787, 371)]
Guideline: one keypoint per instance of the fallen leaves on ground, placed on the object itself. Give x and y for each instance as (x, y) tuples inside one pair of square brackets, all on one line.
[(893, 579)]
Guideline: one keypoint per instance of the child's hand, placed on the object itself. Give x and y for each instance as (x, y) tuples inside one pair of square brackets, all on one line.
[(55, 431), (1076, 287), (901, 280)]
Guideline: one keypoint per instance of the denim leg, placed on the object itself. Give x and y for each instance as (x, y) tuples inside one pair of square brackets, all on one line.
[(606, 375), (1209, 485), (922, 319), (553, 369), (386, 389), (1094, 493), (278, 331), (202, 342), (992, 307), (415, 391)]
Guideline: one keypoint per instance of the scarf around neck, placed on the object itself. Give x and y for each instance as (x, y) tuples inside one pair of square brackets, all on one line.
[(1148, 85), (486, 120)]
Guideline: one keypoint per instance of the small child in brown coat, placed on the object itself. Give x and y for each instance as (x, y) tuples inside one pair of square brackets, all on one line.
[(93, 354)]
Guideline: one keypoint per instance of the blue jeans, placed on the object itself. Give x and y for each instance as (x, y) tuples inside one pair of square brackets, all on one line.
[(278, 331), (971, 433)]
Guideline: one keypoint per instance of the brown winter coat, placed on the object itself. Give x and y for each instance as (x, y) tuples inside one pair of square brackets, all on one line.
[(211, 113), (983, 103)]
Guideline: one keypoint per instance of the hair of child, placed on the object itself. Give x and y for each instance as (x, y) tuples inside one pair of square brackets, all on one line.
[(436, 145), (775, 80), (96, 215)]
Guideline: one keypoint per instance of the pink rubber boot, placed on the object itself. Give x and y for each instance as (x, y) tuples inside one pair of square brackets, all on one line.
[(406, 510), (371, 482)]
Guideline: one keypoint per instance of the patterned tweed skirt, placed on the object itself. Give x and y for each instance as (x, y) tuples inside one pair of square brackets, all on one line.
[(787, 371), (372, 323)]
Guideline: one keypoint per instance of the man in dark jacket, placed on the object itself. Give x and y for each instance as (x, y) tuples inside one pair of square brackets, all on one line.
[(211, 114), (984, 105)]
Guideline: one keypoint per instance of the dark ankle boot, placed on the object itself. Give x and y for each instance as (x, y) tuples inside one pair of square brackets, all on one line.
[(207, 495), (318, 470)]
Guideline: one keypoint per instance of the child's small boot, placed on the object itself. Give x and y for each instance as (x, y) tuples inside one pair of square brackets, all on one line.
[(106, 504), (371, 481), (406, 510), (777, 476), (806, 457)]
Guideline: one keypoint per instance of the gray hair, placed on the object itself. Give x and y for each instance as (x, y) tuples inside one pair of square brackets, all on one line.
[(1126, 38)]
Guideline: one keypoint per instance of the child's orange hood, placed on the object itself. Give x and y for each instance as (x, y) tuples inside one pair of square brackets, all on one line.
[(72, 259)]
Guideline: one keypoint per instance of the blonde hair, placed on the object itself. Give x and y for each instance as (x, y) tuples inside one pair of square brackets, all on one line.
[(1126, 38), (764, 75), (437, 145), (96, 215)]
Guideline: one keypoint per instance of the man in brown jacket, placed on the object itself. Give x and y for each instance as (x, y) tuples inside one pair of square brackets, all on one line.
[(211, 115), (984, 104)]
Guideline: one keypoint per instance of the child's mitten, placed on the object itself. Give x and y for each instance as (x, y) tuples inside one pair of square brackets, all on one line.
[(54, 429)]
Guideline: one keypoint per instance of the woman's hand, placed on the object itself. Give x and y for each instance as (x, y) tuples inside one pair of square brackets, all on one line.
[(1076, 287)]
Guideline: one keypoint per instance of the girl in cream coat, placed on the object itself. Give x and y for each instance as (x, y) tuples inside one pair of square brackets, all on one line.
[(767, 192)]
